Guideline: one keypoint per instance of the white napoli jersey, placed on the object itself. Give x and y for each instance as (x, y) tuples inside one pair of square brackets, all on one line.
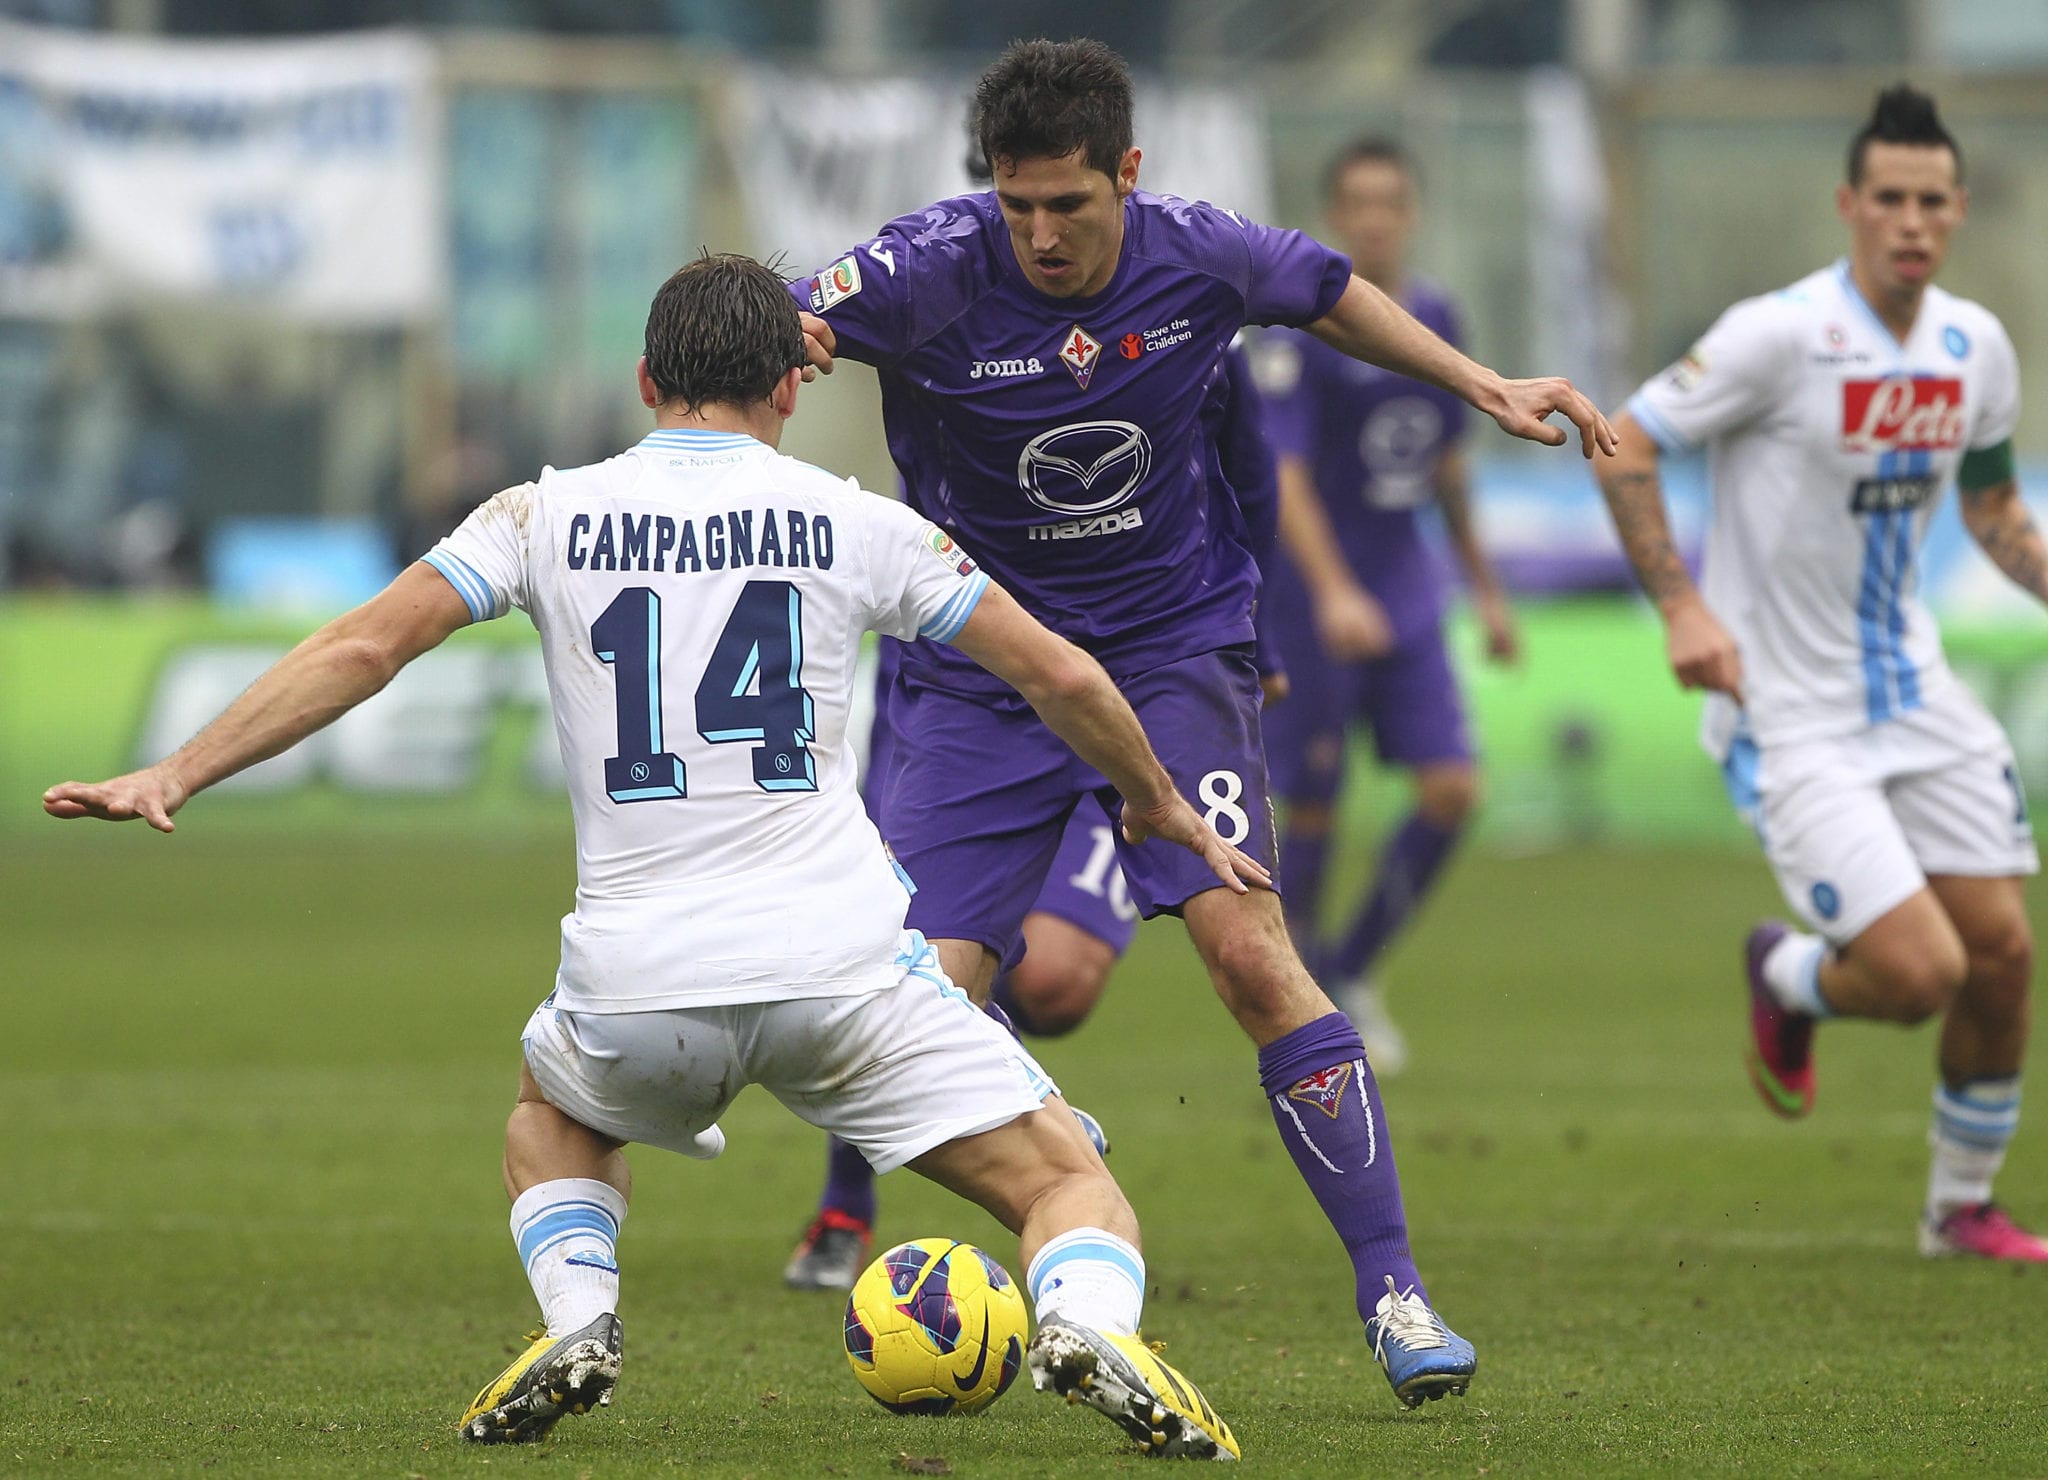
[(1829, 445), (700, 601)]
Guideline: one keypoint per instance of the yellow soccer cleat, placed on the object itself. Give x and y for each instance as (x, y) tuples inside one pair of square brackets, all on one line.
[(553, 1376), (1123, 1377)]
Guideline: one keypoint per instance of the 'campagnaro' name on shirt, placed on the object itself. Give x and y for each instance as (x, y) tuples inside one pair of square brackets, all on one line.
[(730, 541)]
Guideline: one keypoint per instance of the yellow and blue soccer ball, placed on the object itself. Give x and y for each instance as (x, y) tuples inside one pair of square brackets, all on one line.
[(935, 1326)]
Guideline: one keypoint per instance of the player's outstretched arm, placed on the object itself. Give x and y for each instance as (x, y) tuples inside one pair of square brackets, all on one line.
[(313, 685), (1997, 519), (1080, 704), (1368, 325), (1702, 654)]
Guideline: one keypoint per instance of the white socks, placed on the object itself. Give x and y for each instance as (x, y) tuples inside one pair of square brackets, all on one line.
[(1091, 1277), (567, 1231), (1792, 972), (1972, 1127)]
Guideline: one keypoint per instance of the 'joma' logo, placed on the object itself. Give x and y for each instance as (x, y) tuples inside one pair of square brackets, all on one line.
[(1003, 369)]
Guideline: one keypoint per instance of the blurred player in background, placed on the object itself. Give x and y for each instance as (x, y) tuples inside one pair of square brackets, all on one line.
[(1048, 352), (1356, 604), (1835, 412), (1083, 919), (738, 920)]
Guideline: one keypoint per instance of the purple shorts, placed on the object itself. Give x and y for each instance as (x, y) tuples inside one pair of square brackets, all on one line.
[(1409, 699), (975, 796), (1086, 886)]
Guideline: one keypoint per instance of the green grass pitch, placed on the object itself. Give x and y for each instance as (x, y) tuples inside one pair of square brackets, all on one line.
[(252, 1092)]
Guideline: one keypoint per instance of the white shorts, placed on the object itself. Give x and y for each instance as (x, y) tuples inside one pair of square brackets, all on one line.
[(1854, 824), (894, 1072)]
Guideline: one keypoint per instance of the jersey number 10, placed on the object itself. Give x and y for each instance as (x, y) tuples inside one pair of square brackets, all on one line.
[(761, 649)]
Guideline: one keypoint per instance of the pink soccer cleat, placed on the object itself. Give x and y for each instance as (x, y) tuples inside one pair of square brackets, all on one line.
[(1981, 1231), (1781, 1042)]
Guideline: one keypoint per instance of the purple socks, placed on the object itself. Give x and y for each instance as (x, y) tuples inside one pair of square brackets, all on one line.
[(1409, 864), (1327, 1106), (1303, 855), (849, 1182)]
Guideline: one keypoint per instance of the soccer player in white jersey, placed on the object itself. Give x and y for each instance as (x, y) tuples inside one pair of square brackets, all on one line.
[(700, 601), (1835, 412)]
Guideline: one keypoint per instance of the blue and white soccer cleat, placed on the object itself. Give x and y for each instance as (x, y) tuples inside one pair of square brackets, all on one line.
[(1423, 1357), (1092, 1129)]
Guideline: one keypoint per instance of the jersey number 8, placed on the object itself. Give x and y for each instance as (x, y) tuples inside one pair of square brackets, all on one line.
[(761, 649)]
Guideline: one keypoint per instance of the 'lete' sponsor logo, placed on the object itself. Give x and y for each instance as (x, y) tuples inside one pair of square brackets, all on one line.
[(1902, 415)]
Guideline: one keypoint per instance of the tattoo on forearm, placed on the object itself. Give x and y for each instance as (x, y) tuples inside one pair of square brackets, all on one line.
[(1636, 501), (2010, 538)]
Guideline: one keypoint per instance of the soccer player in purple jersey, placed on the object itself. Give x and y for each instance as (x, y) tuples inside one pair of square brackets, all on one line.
[(1083, 919), (1355, 603), (1047, 352)]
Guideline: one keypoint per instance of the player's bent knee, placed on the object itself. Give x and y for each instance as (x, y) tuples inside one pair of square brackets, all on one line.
[(1058, 1000), (2006, 956), (1920, 987), (1447, 796)]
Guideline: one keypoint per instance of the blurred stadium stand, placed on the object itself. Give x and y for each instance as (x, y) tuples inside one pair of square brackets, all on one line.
[(1602, 176)]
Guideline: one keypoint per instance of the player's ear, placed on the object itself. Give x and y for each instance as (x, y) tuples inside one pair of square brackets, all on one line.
[(1845, 201), (649, 396), (1127, 172), (783, 397)]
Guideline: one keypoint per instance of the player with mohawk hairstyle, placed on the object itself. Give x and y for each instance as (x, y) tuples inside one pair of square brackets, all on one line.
[(1835, 412)]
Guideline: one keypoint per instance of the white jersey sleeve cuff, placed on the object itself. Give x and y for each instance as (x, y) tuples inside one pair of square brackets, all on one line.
[(1662, 432), (951, 617), (474, 590)]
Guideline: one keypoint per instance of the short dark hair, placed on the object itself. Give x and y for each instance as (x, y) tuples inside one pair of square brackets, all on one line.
[(1902, 115), (723, 330), (1370, 149), (1046, 99)]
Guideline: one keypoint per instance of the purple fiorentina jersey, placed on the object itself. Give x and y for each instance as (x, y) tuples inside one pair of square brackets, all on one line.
[(1372, 440), (1064, 441)]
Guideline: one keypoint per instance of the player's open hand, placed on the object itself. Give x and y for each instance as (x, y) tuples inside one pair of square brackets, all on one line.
[(1526, 405), (1353, 626), (1503, 634), (1177, 822), (820, 344), (1702, 654), (152, 794)]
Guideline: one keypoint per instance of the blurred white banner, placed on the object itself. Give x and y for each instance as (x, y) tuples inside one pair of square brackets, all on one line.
[(825, 161), (300, 177)]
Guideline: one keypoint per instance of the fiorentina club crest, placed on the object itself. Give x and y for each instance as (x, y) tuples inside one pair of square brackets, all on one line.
[(1324, 1089), (1079, 353)]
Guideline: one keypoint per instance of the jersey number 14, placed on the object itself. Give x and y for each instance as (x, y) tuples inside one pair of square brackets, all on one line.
[(751, 690)]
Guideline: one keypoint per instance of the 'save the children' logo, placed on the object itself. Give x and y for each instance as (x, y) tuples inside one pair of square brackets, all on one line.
[(1902, 415)]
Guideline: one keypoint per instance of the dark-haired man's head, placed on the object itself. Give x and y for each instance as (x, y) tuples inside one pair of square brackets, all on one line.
[(1902, 201), (723, 337), (1369, 201), (1053, 120)]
